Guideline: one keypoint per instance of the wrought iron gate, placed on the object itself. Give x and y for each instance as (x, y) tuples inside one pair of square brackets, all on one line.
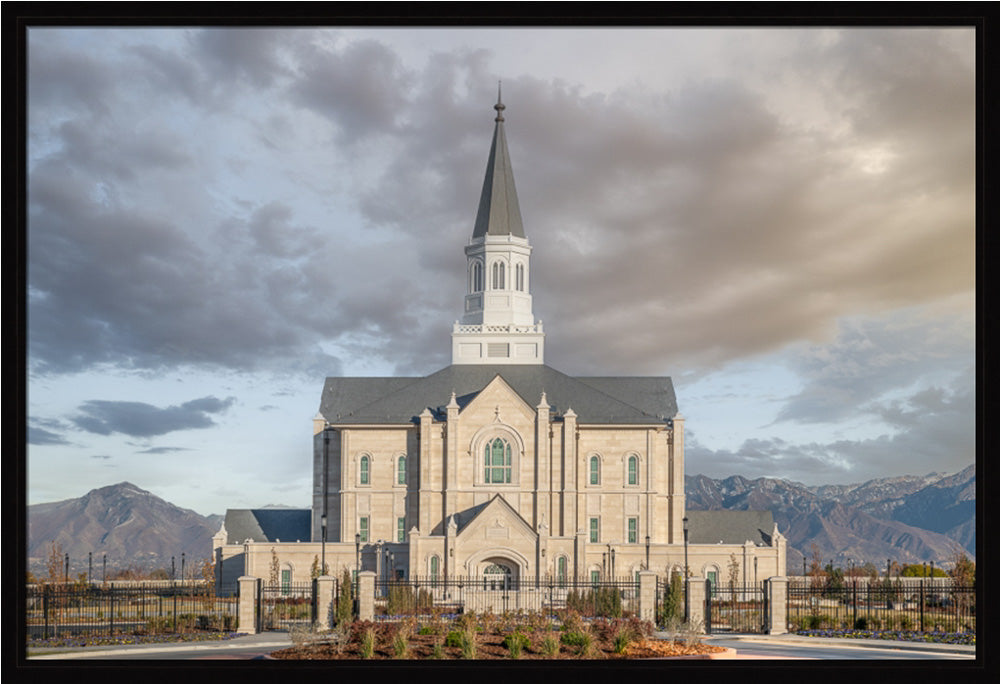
[(735, 608), (285, 605)]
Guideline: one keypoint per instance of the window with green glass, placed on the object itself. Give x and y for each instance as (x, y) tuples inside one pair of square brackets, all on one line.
[(400, 529), (434, 567), (595, 577), (364, 470), (363, 529), (594, 536), (401, 470), (633, 470), (497, 462), (561, 570), (633, 530), (595, 470)]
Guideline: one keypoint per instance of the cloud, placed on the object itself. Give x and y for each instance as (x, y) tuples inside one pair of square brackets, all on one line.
[(260, 197), (162, 450), (138, 419), (933, 431), (40, 436), (871, 357)]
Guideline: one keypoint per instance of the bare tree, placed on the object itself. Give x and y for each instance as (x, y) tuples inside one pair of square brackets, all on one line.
[(275, 569)]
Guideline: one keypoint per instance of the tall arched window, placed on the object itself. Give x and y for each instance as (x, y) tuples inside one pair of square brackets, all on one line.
[(364, 470), (497, 461), (633, 470), (477, 276), (595, 470), (498, 275), (519, 277), (434, 568), (561, 570), (401, 470)]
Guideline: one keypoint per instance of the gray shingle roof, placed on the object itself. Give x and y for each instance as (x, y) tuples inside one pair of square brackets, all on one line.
[(730, 527), (268, 524), (499, 212), (622, 400)]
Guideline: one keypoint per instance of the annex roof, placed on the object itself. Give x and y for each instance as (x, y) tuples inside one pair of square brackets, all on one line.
[(268, 525), (602, 400), (730, 527)]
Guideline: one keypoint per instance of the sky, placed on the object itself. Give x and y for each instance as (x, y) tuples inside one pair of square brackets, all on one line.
[(781, 220)]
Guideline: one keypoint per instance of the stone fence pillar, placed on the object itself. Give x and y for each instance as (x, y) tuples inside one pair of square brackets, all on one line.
[(696, 604), (246, 608), (366, 595), (647, 596), (325, 602), (777, 605)]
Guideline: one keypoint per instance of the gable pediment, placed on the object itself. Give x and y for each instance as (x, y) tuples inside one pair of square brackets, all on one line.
[(498, 402), (497, 523)]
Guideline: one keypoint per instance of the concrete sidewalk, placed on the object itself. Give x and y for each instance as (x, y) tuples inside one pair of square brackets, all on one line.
[(264, 641), (790, 639)]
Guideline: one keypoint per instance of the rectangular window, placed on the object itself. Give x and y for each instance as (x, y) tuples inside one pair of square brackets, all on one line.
[(401, 529), (633, 530), (594, 535), (595, 577), (363, 528), (286, 581)]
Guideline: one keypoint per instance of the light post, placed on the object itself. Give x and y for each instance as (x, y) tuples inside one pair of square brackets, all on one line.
[(322, 520), (647, 552), (173, 568), (66, 571), (357, 563), (182, 566), (888, 568), (687, 609), (755, 571), (105, 568), (90, 565)]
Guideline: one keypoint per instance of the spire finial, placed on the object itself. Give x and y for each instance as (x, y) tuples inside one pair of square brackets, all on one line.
[(499, 105)]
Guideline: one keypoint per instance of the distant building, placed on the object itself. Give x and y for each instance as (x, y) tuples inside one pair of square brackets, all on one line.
[(499, 465)]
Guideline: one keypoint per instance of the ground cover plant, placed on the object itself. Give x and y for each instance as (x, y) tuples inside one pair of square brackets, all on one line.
[(963, 638), (489, 637)]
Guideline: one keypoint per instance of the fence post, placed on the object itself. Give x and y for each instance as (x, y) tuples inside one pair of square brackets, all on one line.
[(326, 589), (45, 610), (696, 603), (777, 605), (247, 604), (647, 595), (921, 604), (366, 595)]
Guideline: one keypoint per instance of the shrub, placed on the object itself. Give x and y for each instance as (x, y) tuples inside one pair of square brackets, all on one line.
[(468, 643), (861, 623), (454, 639), (550, 646), (515, 642), (368, 644)]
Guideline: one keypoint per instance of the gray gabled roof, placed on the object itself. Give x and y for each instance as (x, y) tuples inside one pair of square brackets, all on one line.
[(608, 400), (730, 527), (268, 525), (499, 212)]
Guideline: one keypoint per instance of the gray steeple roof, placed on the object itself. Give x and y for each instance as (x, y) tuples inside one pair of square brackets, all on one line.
[(499, 212)]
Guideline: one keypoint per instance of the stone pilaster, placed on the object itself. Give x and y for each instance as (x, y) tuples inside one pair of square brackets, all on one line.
[(246, 608), (326, 606), (366, 595), (647, 596), (777, 605), (696, 604)]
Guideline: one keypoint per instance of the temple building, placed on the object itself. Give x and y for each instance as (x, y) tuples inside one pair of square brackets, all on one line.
[(499, 465)]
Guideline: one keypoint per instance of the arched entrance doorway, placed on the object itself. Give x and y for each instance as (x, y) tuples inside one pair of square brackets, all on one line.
[(499, 574)]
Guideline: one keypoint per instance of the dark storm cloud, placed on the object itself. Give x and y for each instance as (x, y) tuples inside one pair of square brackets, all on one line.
[(139, 419), (670, 230)]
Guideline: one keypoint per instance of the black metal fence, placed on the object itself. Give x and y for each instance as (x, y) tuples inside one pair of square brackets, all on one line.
[(616, 597), (286, 605), (891, 605), (736, 608), (106, 609)]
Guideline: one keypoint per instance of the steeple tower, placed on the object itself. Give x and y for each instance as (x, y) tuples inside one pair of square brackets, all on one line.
[(498, 326)]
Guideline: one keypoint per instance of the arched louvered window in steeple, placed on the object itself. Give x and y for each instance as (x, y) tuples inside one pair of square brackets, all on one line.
[(476, 284)]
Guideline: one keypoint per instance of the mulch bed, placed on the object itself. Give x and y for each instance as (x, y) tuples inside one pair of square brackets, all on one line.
[(490, 647)]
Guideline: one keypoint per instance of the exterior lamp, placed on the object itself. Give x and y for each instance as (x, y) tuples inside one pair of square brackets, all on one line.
[(322, 526), (647, 552), (182, 566), (90, 565), (686, 571), (66, 571), (357, 567)]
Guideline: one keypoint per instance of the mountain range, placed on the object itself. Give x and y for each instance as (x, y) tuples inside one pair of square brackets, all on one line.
[(907, 519)]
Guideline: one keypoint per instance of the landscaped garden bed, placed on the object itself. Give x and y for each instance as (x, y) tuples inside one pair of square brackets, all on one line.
[(490, 637)]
